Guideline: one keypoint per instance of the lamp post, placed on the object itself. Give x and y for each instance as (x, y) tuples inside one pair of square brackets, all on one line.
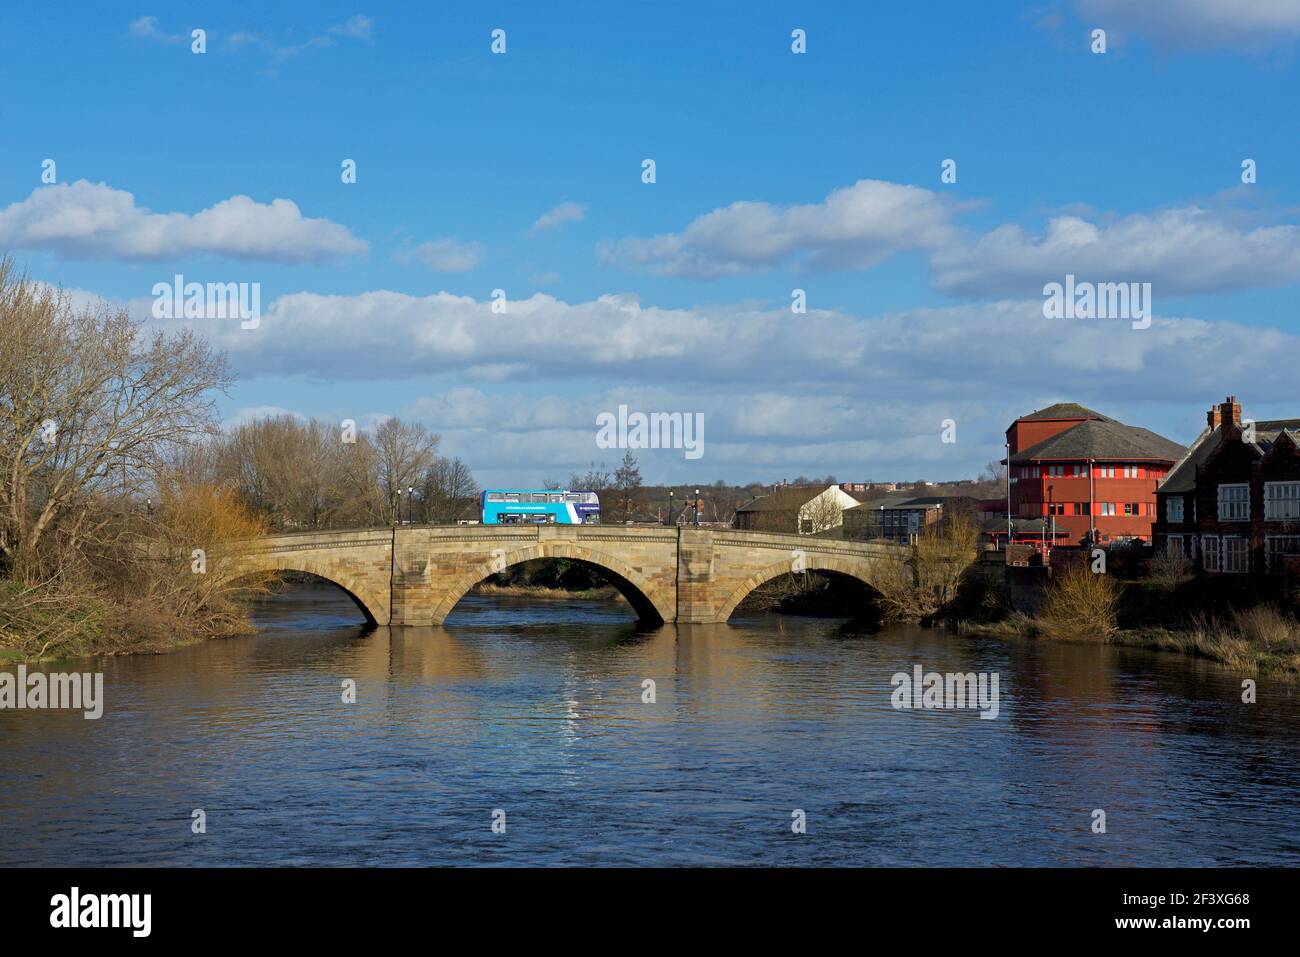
[(671, 519), (1051, 512), (410, 505), (1008, 447), (697, 508), (1092, 493), (397, 509)]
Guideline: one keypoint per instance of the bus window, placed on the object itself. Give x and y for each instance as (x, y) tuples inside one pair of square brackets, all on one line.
[(539, 496), (590, 498), (572, 497), (556, 497), (512, 496), (495, 497)]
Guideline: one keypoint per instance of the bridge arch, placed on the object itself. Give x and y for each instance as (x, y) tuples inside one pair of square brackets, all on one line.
[(857, 570), (370, 601), (648, 601)]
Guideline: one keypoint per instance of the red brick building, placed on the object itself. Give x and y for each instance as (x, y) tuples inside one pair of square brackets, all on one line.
[(1232, 504), (1092, 477)]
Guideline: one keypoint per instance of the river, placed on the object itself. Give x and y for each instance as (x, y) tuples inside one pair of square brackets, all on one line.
[(535, 709)]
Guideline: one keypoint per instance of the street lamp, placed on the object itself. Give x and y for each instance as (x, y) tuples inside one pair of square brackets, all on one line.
[(697, 508), (1049, 520), (1051, 508), (671, 519), (410, 505), (397, 509), (1009, 532)]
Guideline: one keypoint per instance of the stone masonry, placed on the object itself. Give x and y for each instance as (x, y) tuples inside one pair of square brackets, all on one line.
[(416, 575)]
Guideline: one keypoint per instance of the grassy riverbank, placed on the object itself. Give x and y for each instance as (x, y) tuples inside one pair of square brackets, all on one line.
[(46, 622), (1263, 643), (605, 593), (134, 587)]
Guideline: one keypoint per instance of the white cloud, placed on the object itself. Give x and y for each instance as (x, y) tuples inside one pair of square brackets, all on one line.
[(357, 26), (444, 255), (524, 437), (94, 221), (564, 213), (853, 228), (920, 354), (147, 27), (1248, 25), (822, 392), (1182, 251), (1179, 251)]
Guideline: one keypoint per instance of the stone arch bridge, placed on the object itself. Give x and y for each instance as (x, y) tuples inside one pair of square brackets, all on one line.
[(416, 575)]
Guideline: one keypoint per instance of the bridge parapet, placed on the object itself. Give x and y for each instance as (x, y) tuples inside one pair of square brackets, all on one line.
[(316, 540)]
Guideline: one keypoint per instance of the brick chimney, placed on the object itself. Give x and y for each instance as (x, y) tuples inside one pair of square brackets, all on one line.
[(1227, 413)]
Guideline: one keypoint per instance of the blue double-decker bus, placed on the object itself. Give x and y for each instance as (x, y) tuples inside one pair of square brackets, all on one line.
[(514, 506)]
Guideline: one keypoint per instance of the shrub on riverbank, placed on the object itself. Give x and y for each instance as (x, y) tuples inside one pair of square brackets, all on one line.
[(928, 583), (38, 618), (1254, 635), (1081, 603), (559, 574), (1262, 639), (131, 583), (609, 593)]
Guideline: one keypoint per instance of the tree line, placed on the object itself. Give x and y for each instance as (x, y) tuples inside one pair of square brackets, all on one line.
[(309, 474)]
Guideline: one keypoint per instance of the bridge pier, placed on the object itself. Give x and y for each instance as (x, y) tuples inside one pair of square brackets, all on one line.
[(696, 592)]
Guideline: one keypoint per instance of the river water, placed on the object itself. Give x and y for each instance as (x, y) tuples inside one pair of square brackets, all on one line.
[(535, 709)]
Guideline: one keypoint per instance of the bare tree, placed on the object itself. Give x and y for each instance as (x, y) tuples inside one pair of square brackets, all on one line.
[(595, 479), (940, 557), (448, 489), (821, 514), (300, 474), (89, 404), (405, 451)]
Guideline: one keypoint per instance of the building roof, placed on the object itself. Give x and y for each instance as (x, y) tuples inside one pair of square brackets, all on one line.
[(864, 496), (1182, 477), (784, 500), (888, 500), (1266, 433), (1066, 410), (1104, 439), (900, 502)]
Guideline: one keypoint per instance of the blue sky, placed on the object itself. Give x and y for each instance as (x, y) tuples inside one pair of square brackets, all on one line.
[(924, 297)]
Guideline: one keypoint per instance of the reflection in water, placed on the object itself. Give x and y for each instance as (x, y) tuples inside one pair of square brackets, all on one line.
[(536, 708)]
